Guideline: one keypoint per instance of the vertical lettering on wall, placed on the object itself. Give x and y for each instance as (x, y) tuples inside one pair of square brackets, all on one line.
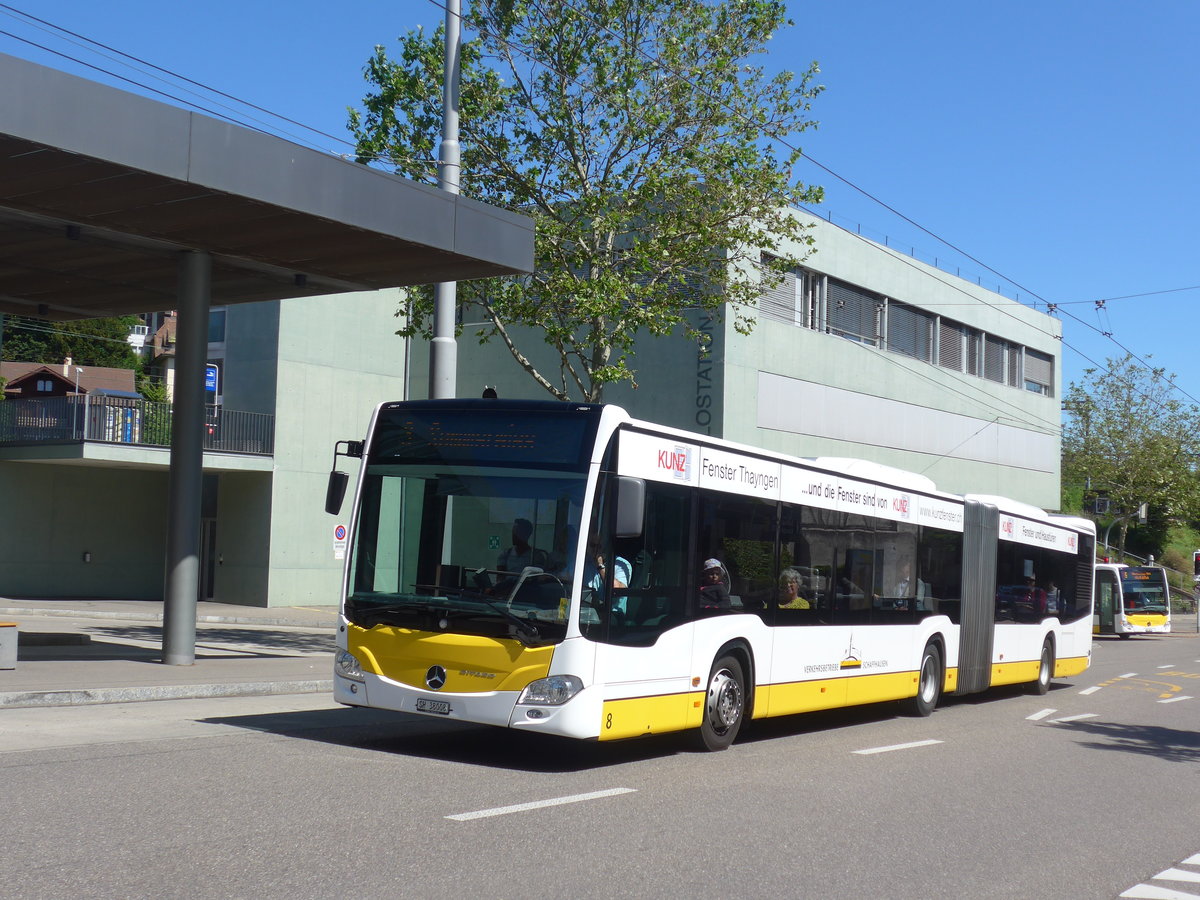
[(704, 375)]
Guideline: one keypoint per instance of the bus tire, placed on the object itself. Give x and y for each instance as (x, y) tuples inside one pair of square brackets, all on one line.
[(1045, 668), (724, 704), (929, 683), (1124, 635)]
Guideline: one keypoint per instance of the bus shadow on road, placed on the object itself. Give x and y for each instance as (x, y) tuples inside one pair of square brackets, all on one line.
[(816, 722), (402, 734)]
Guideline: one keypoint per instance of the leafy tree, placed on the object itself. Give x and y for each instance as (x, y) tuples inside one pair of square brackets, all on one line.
[(89, 342), (650, 147), (1130, 435)]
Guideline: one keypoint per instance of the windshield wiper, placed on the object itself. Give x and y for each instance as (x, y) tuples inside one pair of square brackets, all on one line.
[(526, 632)]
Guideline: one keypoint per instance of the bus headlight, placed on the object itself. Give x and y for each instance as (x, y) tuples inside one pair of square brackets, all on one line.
[(553, 691), (346, 665)]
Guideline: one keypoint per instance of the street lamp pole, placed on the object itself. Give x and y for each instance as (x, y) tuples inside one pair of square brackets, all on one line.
[(443, 349), (1140, 515)]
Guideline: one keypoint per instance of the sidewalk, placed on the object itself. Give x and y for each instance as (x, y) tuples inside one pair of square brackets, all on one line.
[(75, 652)]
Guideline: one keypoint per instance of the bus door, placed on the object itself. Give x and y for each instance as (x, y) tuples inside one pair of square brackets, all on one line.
[(1106, 598)]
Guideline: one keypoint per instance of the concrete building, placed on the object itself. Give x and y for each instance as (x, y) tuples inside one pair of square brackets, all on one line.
[(84, 516)]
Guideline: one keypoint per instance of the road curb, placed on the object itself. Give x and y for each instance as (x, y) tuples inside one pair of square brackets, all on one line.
[(26, 699)]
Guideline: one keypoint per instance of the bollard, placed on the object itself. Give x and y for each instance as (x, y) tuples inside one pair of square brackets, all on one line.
[(8, 645)]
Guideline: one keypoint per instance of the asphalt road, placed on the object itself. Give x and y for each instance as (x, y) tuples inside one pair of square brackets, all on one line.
[(1077, 794)]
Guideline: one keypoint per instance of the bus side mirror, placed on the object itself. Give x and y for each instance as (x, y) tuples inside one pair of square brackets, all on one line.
[(335, 492), (631, 507)]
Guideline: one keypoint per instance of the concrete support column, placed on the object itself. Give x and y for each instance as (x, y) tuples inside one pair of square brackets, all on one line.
[(187, 461)]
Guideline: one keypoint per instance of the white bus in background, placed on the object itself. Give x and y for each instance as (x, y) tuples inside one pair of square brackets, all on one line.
[(1131, 600), (670, 581)]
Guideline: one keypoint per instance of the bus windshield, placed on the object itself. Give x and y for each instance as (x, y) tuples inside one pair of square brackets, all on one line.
[(453, 549), (457, 534), (1144, 590)]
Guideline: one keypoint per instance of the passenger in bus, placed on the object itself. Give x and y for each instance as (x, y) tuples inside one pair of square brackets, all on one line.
[(1037, 596), (902, 593), (595, 572), (1053, 597), (714, 586), (522, 553), (791, 591), (904, 584)]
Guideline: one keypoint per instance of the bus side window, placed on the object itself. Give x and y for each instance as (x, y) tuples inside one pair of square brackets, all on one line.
[(655, 598), (739, 532)]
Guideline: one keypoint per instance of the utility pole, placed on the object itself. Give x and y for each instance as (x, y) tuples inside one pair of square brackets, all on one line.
[(443, 352)]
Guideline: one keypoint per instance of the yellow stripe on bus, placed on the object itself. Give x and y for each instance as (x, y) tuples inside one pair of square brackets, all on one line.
[(1072, 665), (1027, 671), (1015, 672), (831, 693), (638, 716), (473, 664), (1147, 620)]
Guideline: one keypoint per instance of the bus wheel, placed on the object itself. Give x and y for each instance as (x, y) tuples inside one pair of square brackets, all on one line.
[(929, 683), (1123, 636), (724, 705), (1045, 669)]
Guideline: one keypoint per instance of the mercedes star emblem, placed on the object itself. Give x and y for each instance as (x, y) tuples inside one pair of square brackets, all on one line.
[(436, 678)]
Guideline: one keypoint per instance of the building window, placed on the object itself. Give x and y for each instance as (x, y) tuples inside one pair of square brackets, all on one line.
[(995, 358), (910, 331), (811, 300), (1039, 372), (216, 326), (853, 313), (952, 345), (778, 301)]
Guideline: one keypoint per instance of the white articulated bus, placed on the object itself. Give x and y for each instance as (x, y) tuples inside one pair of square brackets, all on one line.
[(563, 568), (1131, 600)]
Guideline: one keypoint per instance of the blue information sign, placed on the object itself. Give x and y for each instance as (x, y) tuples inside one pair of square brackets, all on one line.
[(210, 379)]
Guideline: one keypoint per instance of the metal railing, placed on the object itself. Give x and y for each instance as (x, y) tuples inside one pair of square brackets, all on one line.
[(126, 420)]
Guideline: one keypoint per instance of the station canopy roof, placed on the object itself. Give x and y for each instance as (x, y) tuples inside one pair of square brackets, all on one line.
[(100, 190)]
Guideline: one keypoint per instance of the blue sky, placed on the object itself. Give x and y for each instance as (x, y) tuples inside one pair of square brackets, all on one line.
[(1055, 144)]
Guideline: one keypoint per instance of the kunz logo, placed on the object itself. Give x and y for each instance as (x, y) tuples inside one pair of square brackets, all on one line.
[(436, 678), (678, 462)]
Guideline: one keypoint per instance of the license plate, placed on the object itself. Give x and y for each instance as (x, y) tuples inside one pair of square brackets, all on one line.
[(442, 707)]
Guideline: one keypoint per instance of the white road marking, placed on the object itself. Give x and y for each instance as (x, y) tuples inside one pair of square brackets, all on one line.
[(1153, 892), (892, 747), (1065, 719), (1177, 875), (1171, 666), (1128, 675), (1041, 714), (1091, 690), (539, 804), (1176, 699)]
